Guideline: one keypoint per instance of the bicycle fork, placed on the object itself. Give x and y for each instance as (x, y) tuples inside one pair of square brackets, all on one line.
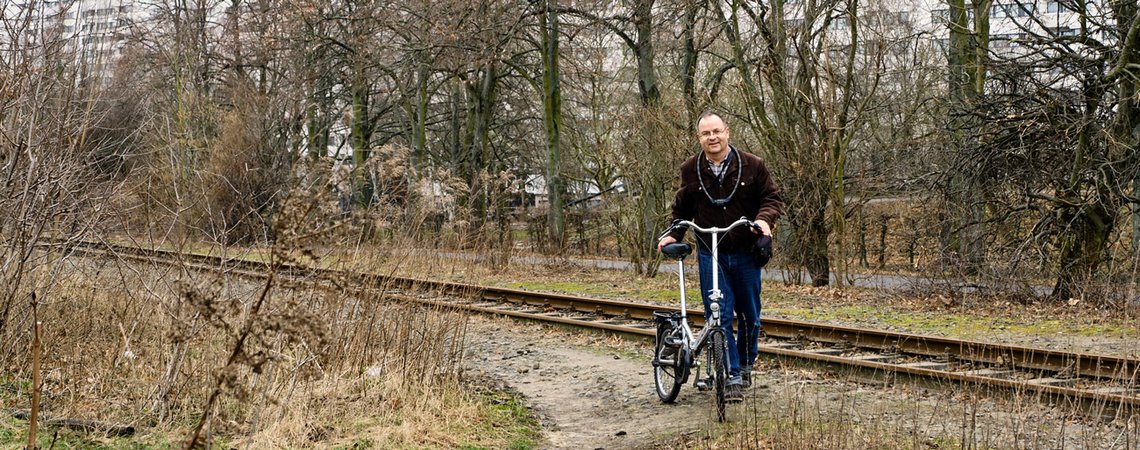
[(703, 383)]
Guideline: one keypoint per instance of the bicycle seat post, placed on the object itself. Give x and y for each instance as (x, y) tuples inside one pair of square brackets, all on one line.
[(681, 278)]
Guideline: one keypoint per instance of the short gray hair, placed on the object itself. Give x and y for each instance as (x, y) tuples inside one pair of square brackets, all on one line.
[(706, 114)]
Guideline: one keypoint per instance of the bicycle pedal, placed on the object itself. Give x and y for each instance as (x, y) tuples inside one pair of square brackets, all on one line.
[(702, 386)]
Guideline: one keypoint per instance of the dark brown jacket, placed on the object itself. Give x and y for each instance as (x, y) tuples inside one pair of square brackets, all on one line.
[(757, 197)]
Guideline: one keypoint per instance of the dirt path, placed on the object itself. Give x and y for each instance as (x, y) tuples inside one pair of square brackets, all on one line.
[(590, 391), (595, 391)]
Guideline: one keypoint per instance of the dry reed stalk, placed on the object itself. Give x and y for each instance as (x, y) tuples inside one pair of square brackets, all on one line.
[(36, 383)]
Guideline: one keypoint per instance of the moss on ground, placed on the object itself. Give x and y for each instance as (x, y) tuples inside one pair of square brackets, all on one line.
[(14, 434), (949, 324), (509, 424)]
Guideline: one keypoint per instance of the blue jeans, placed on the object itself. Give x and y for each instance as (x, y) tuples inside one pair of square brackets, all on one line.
[(740, 284)]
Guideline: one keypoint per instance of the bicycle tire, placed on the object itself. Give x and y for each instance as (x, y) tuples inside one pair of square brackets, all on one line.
[(667, 377), (718, 350)]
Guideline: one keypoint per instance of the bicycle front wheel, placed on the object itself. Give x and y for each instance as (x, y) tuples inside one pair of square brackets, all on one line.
[(667, 376), (718, 352)]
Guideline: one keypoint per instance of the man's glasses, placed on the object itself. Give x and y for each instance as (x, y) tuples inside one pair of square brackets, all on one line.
[(711, 133)]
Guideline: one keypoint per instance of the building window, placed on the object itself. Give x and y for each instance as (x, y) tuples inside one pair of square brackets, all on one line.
[(942, 44), (940, 16), (1021, 9), (838, 52), (1008, 40)]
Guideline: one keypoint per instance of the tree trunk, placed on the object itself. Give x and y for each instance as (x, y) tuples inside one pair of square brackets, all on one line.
[(1126, 129), (1136, 219), (419, 116), (1083, 248), (1084, 241), (552, 113), (966, 58), (814, 236), (481, 92), (650, 187), (361, 137), (689, 58), (646, 72)]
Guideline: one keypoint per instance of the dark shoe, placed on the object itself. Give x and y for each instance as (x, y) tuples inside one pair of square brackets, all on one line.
[(733, 393), (746, 377)]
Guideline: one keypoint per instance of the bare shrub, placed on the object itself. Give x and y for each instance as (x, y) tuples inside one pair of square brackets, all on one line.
[(49, 182), (248, 171), (664, 138)]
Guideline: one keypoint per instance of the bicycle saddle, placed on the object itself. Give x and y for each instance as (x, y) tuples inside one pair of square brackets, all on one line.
[(677, 250)]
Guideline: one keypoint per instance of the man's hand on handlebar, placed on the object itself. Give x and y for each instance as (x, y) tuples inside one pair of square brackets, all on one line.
[(761, 226)]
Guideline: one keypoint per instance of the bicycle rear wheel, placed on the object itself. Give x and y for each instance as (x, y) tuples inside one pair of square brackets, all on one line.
[(718, 356), (667, 372)]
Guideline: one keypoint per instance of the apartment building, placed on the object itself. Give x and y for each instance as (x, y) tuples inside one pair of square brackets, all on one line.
[(93, 32), (1012, 22)]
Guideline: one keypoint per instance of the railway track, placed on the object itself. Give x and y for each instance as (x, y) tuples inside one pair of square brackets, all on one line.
[(1100, 385)]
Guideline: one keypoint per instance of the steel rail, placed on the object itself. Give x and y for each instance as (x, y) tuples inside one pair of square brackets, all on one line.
[(636, 318), (1074, 363)]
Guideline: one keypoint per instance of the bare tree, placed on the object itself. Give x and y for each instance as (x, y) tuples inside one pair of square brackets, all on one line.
[(1055, 135), (820, 80)]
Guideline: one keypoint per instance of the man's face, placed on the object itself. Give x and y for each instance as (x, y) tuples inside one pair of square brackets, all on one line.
[(713, 134)]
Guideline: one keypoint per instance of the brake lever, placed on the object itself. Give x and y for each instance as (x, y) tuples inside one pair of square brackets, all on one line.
[(672, 226), (752, 225)]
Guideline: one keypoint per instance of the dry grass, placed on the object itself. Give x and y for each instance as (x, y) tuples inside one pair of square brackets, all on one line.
[(380, 410), (150, 346)]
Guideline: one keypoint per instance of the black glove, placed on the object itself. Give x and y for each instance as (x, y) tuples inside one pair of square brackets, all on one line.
[(762, 250)]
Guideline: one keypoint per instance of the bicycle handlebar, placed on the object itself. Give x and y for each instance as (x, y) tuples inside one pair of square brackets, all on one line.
[(713, 230)]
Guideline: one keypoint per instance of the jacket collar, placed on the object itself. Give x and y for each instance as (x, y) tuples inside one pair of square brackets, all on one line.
[(704, 164)]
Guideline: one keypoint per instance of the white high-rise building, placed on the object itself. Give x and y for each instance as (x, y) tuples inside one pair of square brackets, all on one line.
[(93, 32), (1011, 22)]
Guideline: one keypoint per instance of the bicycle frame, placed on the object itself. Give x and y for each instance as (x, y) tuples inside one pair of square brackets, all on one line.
[(715, 295)]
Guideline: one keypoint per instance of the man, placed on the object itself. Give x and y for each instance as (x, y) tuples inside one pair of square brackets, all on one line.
[(718, 186)]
